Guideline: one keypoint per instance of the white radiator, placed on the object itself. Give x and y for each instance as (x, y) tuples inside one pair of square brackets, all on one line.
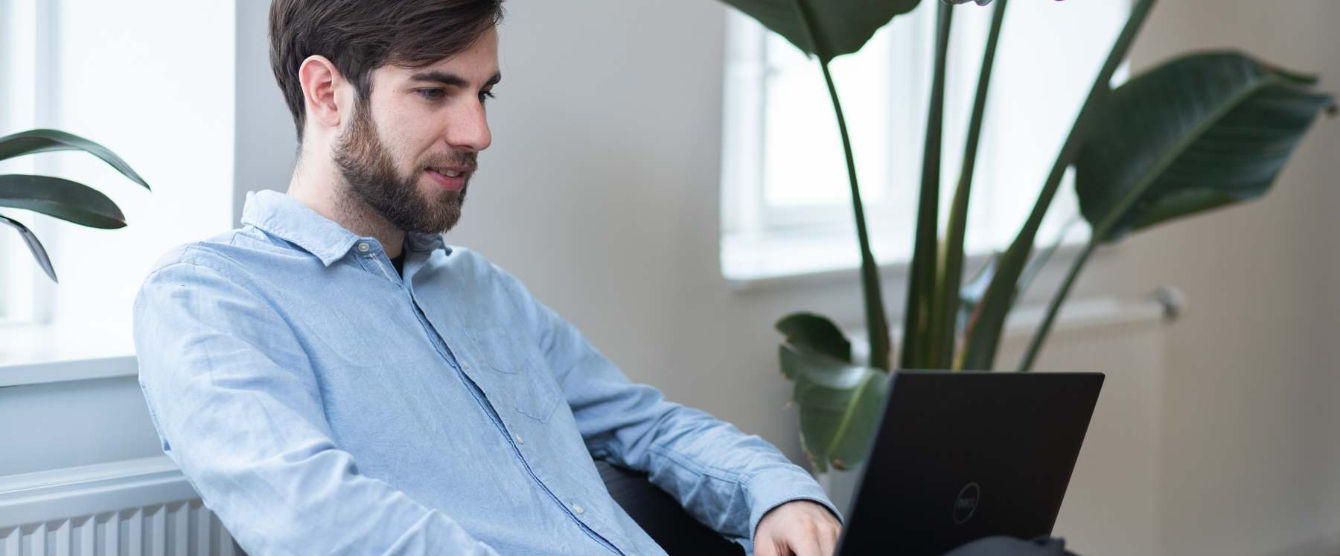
[(126, 508)]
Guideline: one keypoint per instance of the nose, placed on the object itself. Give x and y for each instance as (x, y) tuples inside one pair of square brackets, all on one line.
[(468, 128)]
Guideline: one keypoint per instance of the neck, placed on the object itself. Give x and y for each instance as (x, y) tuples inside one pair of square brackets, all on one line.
[(321, 188)]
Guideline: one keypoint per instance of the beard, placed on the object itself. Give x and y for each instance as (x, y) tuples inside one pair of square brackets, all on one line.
[(369, 171)]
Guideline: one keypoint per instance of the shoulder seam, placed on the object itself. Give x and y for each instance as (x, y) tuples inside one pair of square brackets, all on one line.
[(185, 258)]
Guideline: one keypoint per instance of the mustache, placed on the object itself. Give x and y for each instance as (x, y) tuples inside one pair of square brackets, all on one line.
[(468, 161)]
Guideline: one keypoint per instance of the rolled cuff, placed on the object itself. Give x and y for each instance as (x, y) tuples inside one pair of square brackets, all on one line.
[(774, 487)]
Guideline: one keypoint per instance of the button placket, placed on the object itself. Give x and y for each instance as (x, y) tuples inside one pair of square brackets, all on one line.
[(378, 259)]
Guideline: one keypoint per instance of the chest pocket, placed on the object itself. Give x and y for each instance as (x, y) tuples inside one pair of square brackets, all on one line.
[(517, 372)]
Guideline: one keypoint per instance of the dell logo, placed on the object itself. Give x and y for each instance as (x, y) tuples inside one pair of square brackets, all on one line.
[(966, 503)]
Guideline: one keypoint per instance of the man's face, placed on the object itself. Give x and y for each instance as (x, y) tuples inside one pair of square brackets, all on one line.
[(408, 152)]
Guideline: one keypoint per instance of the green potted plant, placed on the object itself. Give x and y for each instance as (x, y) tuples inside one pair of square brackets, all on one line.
[(60, 198), (1199, 132)]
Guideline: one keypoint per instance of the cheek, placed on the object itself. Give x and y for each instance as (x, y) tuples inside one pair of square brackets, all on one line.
[(417, 141), (406, 134)]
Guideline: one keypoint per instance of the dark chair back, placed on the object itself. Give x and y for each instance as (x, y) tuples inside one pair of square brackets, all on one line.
[(661, 517)]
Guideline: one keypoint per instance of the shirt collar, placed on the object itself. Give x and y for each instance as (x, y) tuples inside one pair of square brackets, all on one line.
[(284, 217), (418, 242)]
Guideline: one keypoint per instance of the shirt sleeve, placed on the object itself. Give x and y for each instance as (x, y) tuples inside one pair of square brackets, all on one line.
[(249, 432), (725, 478)]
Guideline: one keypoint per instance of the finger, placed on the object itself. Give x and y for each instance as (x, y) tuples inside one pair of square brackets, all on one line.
[(806, 543), (828, 538), (765, 546)]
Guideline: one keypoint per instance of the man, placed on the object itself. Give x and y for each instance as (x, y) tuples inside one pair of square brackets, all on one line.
[(334, 379)]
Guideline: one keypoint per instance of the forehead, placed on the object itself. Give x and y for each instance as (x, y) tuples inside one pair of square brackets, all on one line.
[(476, 64)]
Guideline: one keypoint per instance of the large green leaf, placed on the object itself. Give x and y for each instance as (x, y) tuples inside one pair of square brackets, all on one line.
[(1193, 134), (1198, 133), (839, 405), (35, 246), (817, 333), (50, 140), (61, 198), (839, 26)]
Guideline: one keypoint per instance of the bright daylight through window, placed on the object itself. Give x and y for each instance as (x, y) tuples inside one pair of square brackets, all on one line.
[(100, 71), (786, 203), (18, 70)]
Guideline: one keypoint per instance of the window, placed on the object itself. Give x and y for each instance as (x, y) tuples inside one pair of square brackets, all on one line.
[(18, 103), (786, 205), (152, 80)]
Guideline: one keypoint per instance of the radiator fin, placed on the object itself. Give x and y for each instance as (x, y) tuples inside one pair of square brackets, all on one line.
[(181, 528)]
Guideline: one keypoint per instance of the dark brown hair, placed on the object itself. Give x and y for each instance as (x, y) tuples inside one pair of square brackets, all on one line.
[(359, 36)]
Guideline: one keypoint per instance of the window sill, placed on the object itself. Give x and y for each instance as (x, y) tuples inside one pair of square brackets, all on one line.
[(42, 354), (752, 264), (750, 261)]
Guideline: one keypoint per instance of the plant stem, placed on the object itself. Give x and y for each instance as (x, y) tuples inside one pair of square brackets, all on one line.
[(1054, 307), (985, 339), (877, 327), (919, 346), (951, 280)]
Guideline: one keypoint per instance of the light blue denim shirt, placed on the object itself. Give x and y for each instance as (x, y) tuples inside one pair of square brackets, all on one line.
[(321, 404)]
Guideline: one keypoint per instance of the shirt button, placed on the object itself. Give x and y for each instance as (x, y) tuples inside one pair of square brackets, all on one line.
[(518, 439), (578, 509), (363, 247), (465, 365)]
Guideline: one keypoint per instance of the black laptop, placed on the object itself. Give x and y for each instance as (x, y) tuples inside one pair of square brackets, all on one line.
[(962, 456)]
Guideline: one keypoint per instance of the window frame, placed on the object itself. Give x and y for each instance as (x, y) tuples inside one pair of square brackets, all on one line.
[(26, 295), (753, 235), (748, 72)]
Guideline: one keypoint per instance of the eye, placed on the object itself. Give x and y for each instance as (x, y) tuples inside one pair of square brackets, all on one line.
[(484, 96), (431, 94)]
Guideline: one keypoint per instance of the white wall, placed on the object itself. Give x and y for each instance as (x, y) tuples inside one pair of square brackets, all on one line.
[(265, 149), (601, 193), (1251, 419)]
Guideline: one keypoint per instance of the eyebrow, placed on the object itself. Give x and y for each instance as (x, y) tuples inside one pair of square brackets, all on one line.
[(450, 79)]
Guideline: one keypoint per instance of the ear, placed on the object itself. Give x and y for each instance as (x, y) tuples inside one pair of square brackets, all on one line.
[(321, 81)]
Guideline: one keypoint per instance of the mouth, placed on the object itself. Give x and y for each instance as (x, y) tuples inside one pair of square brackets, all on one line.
[(450, 172), (449, 178)]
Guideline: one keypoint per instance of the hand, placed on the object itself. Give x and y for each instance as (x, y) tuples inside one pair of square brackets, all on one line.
[(797, 528)]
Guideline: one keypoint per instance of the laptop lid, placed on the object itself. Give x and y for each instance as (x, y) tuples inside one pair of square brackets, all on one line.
[(962, 456)]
